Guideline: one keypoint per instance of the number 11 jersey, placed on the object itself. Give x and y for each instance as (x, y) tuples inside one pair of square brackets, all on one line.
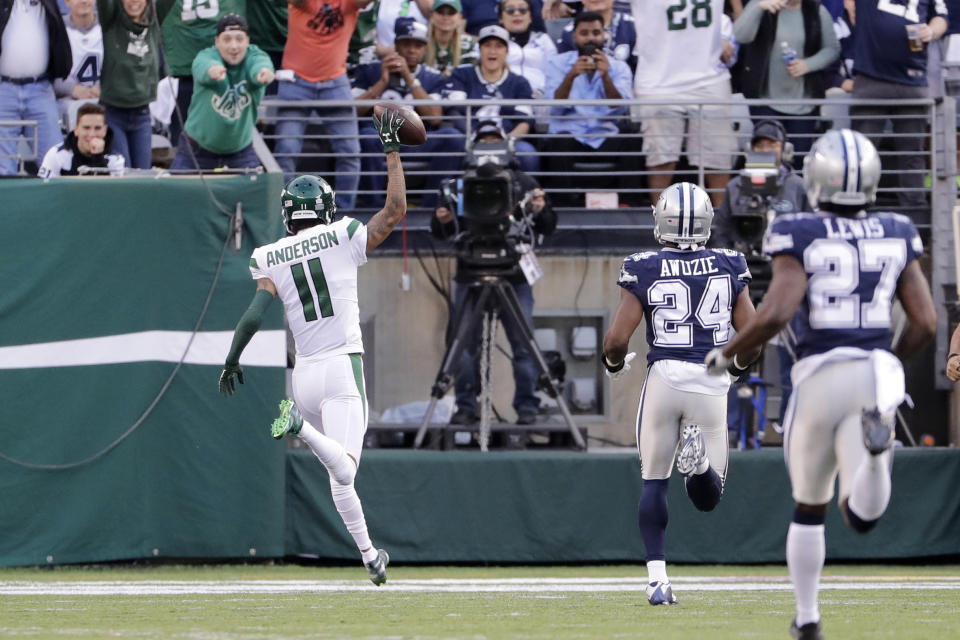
[(315, 273), (687, 297)]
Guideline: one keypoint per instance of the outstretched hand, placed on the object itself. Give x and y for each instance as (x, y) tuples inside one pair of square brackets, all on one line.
[(387, 129), (227, 385)]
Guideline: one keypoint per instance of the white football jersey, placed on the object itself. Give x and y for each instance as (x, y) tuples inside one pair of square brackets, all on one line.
[(315, 273), (86, 46), (678, 45)]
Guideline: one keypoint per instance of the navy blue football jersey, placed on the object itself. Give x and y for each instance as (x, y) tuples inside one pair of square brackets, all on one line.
[(687, 297), (466, 83), (852, 265), (881, 48), (367, 75)]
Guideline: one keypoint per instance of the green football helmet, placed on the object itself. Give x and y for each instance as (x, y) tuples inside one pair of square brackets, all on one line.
[(307, 198)]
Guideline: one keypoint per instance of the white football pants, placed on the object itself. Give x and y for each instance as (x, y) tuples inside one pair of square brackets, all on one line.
[(331, 395)]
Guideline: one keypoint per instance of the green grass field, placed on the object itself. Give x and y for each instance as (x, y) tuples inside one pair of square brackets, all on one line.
[(273, 602)]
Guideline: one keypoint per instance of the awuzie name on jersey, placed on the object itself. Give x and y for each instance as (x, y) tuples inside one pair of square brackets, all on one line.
[(695, 267)]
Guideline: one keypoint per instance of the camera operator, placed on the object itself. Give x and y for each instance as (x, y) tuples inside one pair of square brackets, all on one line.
[(769, 136), (532, 218), (741, 221)]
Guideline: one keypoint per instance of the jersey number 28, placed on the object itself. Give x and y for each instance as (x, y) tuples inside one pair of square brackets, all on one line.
[(672, 310)]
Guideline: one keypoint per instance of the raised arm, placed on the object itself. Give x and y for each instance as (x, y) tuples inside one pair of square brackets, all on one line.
[(383, 221)]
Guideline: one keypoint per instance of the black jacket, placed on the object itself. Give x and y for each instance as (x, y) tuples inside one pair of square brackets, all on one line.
[(61, 58), (753, 60)]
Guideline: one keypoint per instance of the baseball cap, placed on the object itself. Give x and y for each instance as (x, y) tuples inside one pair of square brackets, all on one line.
[(493, 31), (448, 3), (489, 127), (232, 22), (409, 29), (769, 129)]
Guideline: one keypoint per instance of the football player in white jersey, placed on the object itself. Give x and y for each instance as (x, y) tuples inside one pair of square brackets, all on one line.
[(314, 273), (835, 274), (690, 297)]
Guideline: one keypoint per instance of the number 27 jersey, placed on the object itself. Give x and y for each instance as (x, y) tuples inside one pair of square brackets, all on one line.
[(853, 266), (687, 297), (315, 273)]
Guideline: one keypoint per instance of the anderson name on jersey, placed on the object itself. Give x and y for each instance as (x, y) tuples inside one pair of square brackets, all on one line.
[(687, 298), (852, 266), (315, 273)]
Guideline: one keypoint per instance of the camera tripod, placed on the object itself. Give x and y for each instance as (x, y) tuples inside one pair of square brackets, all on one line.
[(485, 296)]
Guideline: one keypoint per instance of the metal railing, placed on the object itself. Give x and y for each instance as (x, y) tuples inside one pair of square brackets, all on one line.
[(26, 144)]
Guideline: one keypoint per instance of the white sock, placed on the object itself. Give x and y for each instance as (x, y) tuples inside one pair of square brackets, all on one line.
[(369, 555), (657, 571), (870, 489), (331, 454), (806, 552), (351, 512)]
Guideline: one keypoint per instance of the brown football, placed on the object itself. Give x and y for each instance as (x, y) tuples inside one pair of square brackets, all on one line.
[(412, 132)]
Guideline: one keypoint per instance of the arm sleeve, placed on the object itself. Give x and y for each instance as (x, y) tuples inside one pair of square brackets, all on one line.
[(201, 65), (746, 26), (830, 50), (249, 324), (257, 61)]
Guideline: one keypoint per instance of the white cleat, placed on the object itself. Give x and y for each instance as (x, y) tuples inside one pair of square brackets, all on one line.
[(660, 593)]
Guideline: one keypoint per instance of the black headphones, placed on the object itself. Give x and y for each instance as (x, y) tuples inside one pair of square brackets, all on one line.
[(787, 153)]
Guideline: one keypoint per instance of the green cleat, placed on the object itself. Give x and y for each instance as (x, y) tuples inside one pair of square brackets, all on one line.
[(378, 568), (289, 421)]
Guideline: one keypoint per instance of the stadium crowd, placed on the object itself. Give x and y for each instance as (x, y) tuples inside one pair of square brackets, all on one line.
[(168, 84)]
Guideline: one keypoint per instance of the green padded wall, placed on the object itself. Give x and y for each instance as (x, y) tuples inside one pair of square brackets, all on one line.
[(107, 258), (571, 507)]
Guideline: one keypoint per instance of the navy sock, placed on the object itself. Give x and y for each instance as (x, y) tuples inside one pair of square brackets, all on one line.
[(705, 489), (652, 517)]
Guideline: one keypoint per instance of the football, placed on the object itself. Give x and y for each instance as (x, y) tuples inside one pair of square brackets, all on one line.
[(412, 132)]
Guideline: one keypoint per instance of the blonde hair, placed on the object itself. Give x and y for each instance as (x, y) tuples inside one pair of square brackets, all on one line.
[(431, 58)]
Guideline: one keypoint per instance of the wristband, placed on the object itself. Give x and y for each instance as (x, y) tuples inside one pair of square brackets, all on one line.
[(612, 368)]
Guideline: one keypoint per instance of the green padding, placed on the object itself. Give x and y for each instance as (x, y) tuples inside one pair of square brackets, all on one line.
[(569, 507), (200, 476)]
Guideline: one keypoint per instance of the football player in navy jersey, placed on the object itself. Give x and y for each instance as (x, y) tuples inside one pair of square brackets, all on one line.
[(835, 274), (689, 295)]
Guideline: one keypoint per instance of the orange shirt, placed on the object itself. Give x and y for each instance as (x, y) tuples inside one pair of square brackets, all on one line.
[(318, 33)]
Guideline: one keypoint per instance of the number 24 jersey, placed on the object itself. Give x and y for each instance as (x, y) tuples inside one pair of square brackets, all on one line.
[(852, 265), (687, 297)]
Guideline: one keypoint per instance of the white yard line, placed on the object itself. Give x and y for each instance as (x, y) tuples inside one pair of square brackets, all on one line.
[(439, 585)]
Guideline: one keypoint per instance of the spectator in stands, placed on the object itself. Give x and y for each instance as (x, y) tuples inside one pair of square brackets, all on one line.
[(885, 67), (316, 52), (586, 73), (492, 80), (529, 50), (86, 46), (131, 64), (768, 32), (268, 30), (88, 146), (482, 13), (769, 136), (398, 77), (229, 80), (35, 51), (445, 225), (620, 35), (190, 28), (450, 45), (363, 47), (391, 10), (677, 54)]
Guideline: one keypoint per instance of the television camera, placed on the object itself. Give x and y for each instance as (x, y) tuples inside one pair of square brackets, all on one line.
[(753, 212)]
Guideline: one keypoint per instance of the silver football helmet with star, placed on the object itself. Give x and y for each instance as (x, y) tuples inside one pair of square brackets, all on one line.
[(842, 168), (683, 215)]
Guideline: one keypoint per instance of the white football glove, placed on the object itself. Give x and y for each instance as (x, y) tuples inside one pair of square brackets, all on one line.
[(716, 362), (622, 371)]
